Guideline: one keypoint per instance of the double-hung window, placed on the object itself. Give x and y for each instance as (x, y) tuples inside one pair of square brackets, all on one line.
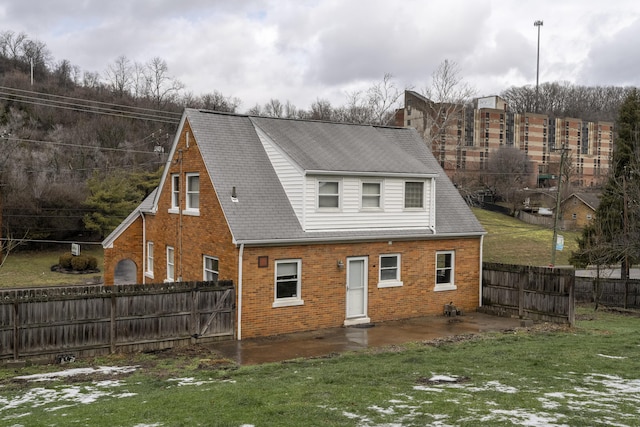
[(287, 283), (328, 194), (175, 192), (171, 264), (210, 268), (445, 270), (414, 194), (149, 270), (193, 192), (389, 271), (371, 195)]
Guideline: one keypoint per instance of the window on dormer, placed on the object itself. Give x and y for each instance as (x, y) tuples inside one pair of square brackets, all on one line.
[(371, 195), (328, 194), (413, 194)]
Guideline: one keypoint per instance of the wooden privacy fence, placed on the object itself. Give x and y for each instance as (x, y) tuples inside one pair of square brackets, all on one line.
[(97, 319), (611, 292), (536, 293)]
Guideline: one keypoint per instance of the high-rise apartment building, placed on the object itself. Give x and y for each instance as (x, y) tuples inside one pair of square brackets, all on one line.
[(463, 138)]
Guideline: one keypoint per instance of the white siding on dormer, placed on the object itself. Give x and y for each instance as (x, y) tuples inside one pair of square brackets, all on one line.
[(392, 213), (291, 177)]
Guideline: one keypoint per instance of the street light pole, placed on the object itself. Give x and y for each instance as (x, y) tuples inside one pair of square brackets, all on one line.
[(538, 24)]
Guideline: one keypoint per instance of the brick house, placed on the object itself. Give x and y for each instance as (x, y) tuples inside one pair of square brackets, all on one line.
[(318, 224), (579, 209)]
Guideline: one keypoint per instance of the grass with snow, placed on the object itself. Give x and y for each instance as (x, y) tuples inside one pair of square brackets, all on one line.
[(588, 375)]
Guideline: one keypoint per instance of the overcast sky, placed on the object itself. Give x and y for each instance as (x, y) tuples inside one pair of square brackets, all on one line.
[(301, 50)]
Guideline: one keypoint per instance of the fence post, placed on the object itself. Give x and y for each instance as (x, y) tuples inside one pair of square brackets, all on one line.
[(572, 301), (112, 326), (195, 324), (16, 329), (521, 278)]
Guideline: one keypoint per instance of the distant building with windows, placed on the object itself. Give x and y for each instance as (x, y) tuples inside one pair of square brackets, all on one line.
[(463, 137)]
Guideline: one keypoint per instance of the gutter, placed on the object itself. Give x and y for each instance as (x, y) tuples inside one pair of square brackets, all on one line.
[(144, 248), (307, 240), (480, 269)]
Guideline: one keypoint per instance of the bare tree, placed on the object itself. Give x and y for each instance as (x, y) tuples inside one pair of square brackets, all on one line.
[(508, 172), (119, 76), (162, 87), (448, 94)]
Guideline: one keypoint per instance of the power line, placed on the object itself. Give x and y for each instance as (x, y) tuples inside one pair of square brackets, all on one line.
[(87, 106), (68, 144)]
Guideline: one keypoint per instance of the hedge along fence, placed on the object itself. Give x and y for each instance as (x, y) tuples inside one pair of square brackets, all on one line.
[(97, 319), (536, 293), (611, 292)]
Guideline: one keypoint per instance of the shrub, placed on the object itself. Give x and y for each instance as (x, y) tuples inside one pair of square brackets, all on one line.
[(92, 262), (65, 260), (79, 263)]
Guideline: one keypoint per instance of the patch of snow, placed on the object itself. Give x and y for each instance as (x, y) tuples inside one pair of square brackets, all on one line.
[(611, 357), (388, 411), (189, 381), (443, 378), (523, 418), (106, 370)]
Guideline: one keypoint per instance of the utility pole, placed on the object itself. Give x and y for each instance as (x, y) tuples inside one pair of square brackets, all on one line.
[(538, 24), (557, 212)]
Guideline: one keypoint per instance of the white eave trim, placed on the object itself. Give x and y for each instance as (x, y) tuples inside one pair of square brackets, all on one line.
[(370, 173), (323, 240)]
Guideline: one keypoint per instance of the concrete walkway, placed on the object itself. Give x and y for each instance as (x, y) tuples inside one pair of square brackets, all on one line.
[(339, 340)]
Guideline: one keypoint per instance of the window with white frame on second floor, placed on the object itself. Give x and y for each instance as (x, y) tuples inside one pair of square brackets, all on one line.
[(371, 195), (175, 191), (193, 192), (414, 194), (328, 194)]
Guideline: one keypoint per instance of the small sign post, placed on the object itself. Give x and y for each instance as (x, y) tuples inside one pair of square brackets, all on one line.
[(75, 249)]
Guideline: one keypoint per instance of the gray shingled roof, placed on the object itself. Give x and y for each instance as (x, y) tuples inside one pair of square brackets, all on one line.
[(235, 157)]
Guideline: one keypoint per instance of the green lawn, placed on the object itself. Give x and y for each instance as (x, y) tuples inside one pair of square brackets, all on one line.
[(588, 375), (511, 241), (25, 269)]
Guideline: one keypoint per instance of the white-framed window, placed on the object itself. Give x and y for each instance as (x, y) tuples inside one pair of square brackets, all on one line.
[(389, 270), (171, 264), (445, 271), (175, 192), (414, 194), (193, 192), (149, 269), (328, 194), (210, 268), (288, 283), (371, 195)]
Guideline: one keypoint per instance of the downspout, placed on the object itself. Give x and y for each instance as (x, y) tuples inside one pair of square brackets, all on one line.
[(240, 291), (480, 279), (144, 248), (432, 206)]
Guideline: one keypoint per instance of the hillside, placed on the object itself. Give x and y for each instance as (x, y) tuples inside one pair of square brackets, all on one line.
[(512, 241)]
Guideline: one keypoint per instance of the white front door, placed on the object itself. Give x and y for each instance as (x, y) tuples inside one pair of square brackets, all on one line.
[(356, 291)]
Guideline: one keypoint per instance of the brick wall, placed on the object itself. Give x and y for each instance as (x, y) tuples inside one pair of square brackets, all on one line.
[(324, 284)]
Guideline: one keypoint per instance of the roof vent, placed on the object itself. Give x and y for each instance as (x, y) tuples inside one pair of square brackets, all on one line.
[(234, 195)]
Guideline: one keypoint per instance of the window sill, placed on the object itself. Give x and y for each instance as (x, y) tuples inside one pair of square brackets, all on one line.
[(191, 212), (173, 211), (445, 287), (168, 281), (148, 274), (290, 302), (390, 284)]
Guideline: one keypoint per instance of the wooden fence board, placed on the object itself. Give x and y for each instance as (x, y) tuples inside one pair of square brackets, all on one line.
[(97, 319)]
